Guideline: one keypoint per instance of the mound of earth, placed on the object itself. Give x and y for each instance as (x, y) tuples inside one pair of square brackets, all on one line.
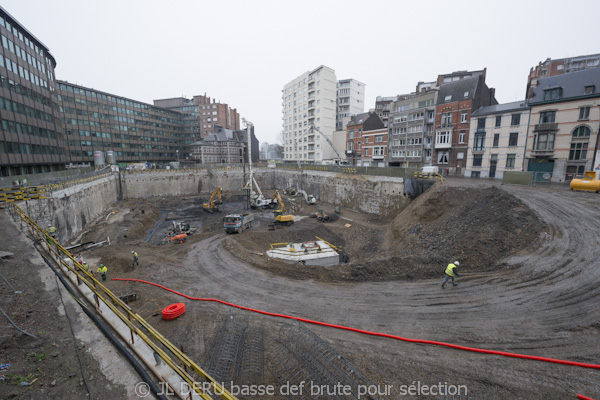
[(477, 227)]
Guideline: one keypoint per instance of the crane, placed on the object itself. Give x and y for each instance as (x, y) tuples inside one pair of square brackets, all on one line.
[(325, 136), (256, 199), (280, 217)]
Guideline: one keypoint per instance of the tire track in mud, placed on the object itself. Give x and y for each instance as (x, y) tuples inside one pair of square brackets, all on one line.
[(544, 303)]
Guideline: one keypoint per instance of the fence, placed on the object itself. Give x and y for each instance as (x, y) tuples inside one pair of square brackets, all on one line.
[(398, 172), (137, 325)]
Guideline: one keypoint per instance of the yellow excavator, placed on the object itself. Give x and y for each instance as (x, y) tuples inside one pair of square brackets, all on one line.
[(280, 217), (215, 199)]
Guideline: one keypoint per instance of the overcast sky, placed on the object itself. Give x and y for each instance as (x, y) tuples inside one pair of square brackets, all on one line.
[(243, 52)]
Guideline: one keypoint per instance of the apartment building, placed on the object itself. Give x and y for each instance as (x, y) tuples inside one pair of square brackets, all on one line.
[(317, 99), (201, 115), (559, 66), (383, 106), (411, 128), (309, 100), (371, 125), (459, 95), (134, 131), (498, 140), (350, 101), (563, 127), (31, 139)]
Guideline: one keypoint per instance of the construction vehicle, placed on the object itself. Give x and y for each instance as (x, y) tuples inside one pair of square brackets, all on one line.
[(238, 222), (309, 198), (588, 183), (179, 238), (182, 227), (212, 206), (280, 217), (292, 191)]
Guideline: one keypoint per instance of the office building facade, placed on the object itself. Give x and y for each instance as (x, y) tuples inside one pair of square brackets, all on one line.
[(31, 138)]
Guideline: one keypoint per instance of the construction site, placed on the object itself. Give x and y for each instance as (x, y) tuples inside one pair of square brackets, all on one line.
[(301, 284)]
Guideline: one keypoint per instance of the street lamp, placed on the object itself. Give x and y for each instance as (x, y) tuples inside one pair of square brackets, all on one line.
[(177, 151)]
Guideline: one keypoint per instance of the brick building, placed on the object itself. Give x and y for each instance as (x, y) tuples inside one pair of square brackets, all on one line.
[(201, 115), (559, 66), (458, 96), (363, 124)]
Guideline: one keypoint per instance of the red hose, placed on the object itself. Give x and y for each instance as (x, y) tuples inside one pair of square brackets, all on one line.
[(386, 335), (582, 397), (173, 311)]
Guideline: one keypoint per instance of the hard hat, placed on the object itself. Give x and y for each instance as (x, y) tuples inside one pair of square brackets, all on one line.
[(456, 263), (102, 265), (132, 251)]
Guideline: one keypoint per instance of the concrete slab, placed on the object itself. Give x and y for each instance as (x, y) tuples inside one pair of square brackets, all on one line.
[(315, 252)]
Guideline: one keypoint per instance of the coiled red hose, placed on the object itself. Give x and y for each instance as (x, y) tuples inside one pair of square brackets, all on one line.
[(386, 335)]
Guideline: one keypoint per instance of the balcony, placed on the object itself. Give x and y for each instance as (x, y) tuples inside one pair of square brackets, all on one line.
[(542, 153), (548, 126), (478, 150), (377, 157), (443, 145), (349, 151)]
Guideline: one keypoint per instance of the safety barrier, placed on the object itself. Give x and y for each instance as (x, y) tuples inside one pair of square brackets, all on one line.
[(155, 340), (429, 175), (42, 191)]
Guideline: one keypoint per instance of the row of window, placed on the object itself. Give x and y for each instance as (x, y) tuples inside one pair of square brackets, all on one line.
[(24, 38), (144, 136), (123, 154), (16, 87), (23, 129), (479, 142), (28, 148), (8, 105), (24, 73), (406, 153), (121, 110), (510, 160)]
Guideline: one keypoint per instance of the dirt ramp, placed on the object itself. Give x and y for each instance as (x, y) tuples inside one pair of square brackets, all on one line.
[(478, 227)]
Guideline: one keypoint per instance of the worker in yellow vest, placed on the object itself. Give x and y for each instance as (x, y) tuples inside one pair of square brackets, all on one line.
[(135, 259), (451, 273), (103, 271)]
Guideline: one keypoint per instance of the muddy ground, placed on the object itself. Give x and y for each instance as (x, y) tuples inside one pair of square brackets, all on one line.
[(529, 283)]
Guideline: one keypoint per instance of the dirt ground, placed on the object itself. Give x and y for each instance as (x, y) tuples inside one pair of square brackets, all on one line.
[(529, 283), (46, 366)]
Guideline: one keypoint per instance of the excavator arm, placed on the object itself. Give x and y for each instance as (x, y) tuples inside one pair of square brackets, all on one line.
[(277, 197)]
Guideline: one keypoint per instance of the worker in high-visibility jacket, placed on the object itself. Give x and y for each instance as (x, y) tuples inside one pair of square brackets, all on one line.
[(103, 270), (52, 230), (451, 273), (51, 233), (135, 258)]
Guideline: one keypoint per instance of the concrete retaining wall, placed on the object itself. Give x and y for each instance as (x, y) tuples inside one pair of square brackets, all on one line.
[(371, 194), (76, 206)]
